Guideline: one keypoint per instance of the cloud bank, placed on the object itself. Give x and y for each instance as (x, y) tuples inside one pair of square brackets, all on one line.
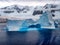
[(4, 3)]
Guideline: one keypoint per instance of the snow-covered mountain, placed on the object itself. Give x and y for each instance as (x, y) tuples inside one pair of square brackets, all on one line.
[(18, 12), (30, 16), (15, 8)]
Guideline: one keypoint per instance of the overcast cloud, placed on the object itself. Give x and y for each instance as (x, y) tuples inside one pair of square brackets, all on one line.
[(29, 0), (4, 3)]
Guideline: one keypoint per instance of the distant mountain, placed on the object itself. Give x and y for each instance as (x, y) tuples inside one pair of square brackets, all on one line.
[(13, 7), (15, 10), (50, 6)]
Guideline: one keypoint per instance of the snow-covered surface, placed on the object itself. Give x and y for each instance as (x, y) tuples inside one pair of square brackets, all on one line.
[(23, 15), (57, 15)]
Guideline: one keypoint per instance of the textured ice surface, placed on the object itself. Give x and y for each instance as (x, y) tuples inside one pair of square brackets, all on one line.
[(29, 24), (21, 18)]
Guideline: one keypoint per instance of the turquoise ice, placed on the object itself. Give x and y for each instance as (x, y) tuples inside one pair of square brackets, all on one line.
[(23, 25)]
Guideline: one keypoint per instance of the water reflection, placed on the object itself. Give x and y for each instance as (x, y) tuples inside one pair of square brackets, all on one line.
[(41, 37)]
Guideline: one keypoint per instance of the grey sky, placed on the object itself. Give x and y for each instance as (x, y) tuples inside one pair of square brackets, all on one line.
[(29, 0), (4, 3)]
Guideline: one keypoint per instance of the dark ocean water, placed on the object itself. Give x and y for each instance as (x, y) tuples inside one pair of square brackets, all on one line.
[(41, 37)]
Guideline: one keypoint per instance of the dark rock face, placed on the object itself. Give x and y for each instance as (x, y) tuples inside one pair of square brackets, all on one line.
[(37, 12), (17, 8), (8, 11)]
